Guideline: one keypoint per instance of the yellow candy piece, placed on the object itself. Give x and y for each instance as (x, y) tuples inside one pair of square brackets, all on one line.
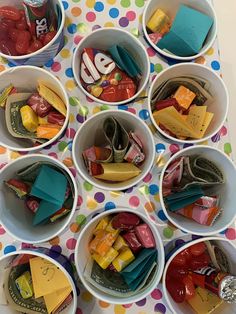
[(120, 244), (29, 118), (207, 120), (102, 242), (105, 261), (196, 117), (52, 98), (96, 91), (157, 21), (24, 285), (93, 244), (184, 96), (102, 224), (47, 131), (123, 259), (43, 120)]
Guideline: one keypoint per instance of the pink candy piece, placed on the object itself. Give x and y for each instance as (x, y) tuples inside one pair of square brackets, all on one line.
[(155, 37), (145, 236), (32, 203), (40, 106), (132, 241)]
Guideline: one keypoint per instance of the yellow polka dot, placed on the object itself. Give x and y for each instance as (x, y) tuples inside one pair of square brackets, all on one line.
[(200, 60), (103, 304), (140, 18), (90, 3), (2, 150), (119, 309), (0, 246), (55, 241), (3, 60), (210, 52), (68, 162), (115, 194), (14, 155), (157, 198), (76, 11), (2, 68), (71, 118), (65, 53), (109, 24), (152, 128), (203, 143), (68, 21), (86, 296), (70, 84), (91, 203), (160, 161), (150, 206), (96, 110), (74, 227), (111, 1)]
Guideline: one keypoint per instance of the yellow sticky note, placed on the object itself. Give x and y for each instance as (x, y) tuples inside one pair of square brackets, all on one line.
[(55, 299), (207, 120), (196, 117), (46, 277)]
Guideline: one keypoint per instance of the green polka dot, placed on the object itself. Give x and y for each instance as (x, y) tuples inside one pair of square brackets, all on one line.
[(82, 28), (135, 32), (83, 111), (139, 3), (65, 40), (80, 220), (76, 1), (88, 186), (168, 233), (104, 107), (158, 67), (125, 3), (227, 148), (118, 77), (144, 190), (74, 101), (62, 146)]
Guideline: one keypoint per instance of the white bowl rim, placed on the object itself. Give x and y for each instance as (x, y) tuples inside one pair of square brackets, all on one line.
[(205, 138), (67, 218), (173, 56), (181, 248), (77, 78), (160, 250), (53, 261), (87, 177), (41, 146), (33, 54), (179, 153)]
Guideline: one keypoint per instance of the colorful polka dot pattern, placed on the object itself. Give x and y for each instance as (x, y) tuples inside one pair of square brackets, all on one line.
[(82, 17)]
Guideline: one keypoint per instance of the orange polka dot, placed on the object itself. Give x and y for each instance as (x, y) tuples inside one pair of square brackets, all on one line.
[(103, 304), (74, 227), (2, 68), (2, 150), (149, 206), (0, 246), (200, 60), (55, 241), (68, 162), (76, 11)]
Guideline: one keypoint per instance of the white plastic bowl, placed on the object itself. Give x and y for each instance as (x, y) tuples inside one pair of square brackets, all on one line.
[(39, 252), (82, 254), (103, 39), (170, 7), (227, 193), (25, 78), (183, 308), (218, 90), (18, 220), (91, 130)]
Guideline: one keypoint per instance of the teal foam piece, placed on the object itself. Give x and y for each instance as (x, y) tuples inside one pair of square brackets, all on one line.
[(45, 210), (193, 190), (188, 32)]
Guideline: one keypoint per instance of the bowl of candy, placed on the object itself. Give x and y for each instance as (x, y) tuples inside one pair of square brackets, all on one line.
[(31, 211), (111, 66), (197, 190), (180, 29), (34, 108), (113, 150), (119, 256), (37, 280), (188, 103), (31, 30), (200, 277)]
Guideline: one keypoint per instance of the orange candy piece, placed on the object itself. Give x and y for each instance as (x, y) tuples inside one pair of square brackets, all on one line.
[(47, 131)]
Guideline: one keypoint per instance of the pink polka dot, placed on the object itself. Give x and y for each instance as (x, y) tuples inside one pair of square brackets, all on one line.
[(174, 148), (148, 178), (90, 16), (134, 201), (231, 234), (3, 165), (127, 306), (77, 39), (70, 133), (54, 155), (131, 15), (156, 294), (151, 52), (71, 243), (73, 171), (152, 218), (89, 99), (80, 200), (132, 110), (223, 131), (2, 231), (56, 67)]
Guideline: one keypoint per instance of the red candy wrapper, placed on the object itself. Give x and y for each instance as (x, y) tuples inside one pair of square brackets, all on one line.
[(135, 154), (96, 154), (40, 106), (32, 203), (19, 187), (112, 268), (132, 241), (145, 236), (101, 77), (125, 221), (162, 104), (56, 118)]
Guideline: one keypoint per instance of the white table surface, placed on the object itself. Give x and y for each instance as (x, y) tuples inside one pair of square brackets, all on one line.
[(225, 10)]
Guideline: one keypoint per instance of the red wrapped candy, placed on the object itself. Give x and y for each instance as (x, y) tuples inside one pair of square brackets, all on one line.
[(125, 221), (101, 77), (19, 187), (145, 236), (40, 106), (56, 118), (32, 203), (132, 241), (162, 104)]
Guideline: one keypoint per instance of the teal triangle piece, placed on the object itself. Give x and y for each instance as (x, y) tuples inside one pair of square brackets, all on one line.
[(45, 210)]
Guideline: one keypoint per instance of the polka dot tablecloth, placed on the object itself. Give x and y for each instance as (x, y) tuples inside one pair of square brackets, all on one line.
[(82, 17)]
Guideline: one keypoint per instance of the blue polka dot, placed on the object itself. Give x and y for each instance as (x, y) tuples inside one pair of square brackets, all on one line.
[(99, 6), (65, 5), (11, 65), (224, 231), (160, 148), (144, 114), (123, 107), (109, 205), (72, 28), (70, 145), (49, 63), (9, 249), (215, 65), (161, 215), (152, 67), (153, 189), (114, 13), (69, 72)]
